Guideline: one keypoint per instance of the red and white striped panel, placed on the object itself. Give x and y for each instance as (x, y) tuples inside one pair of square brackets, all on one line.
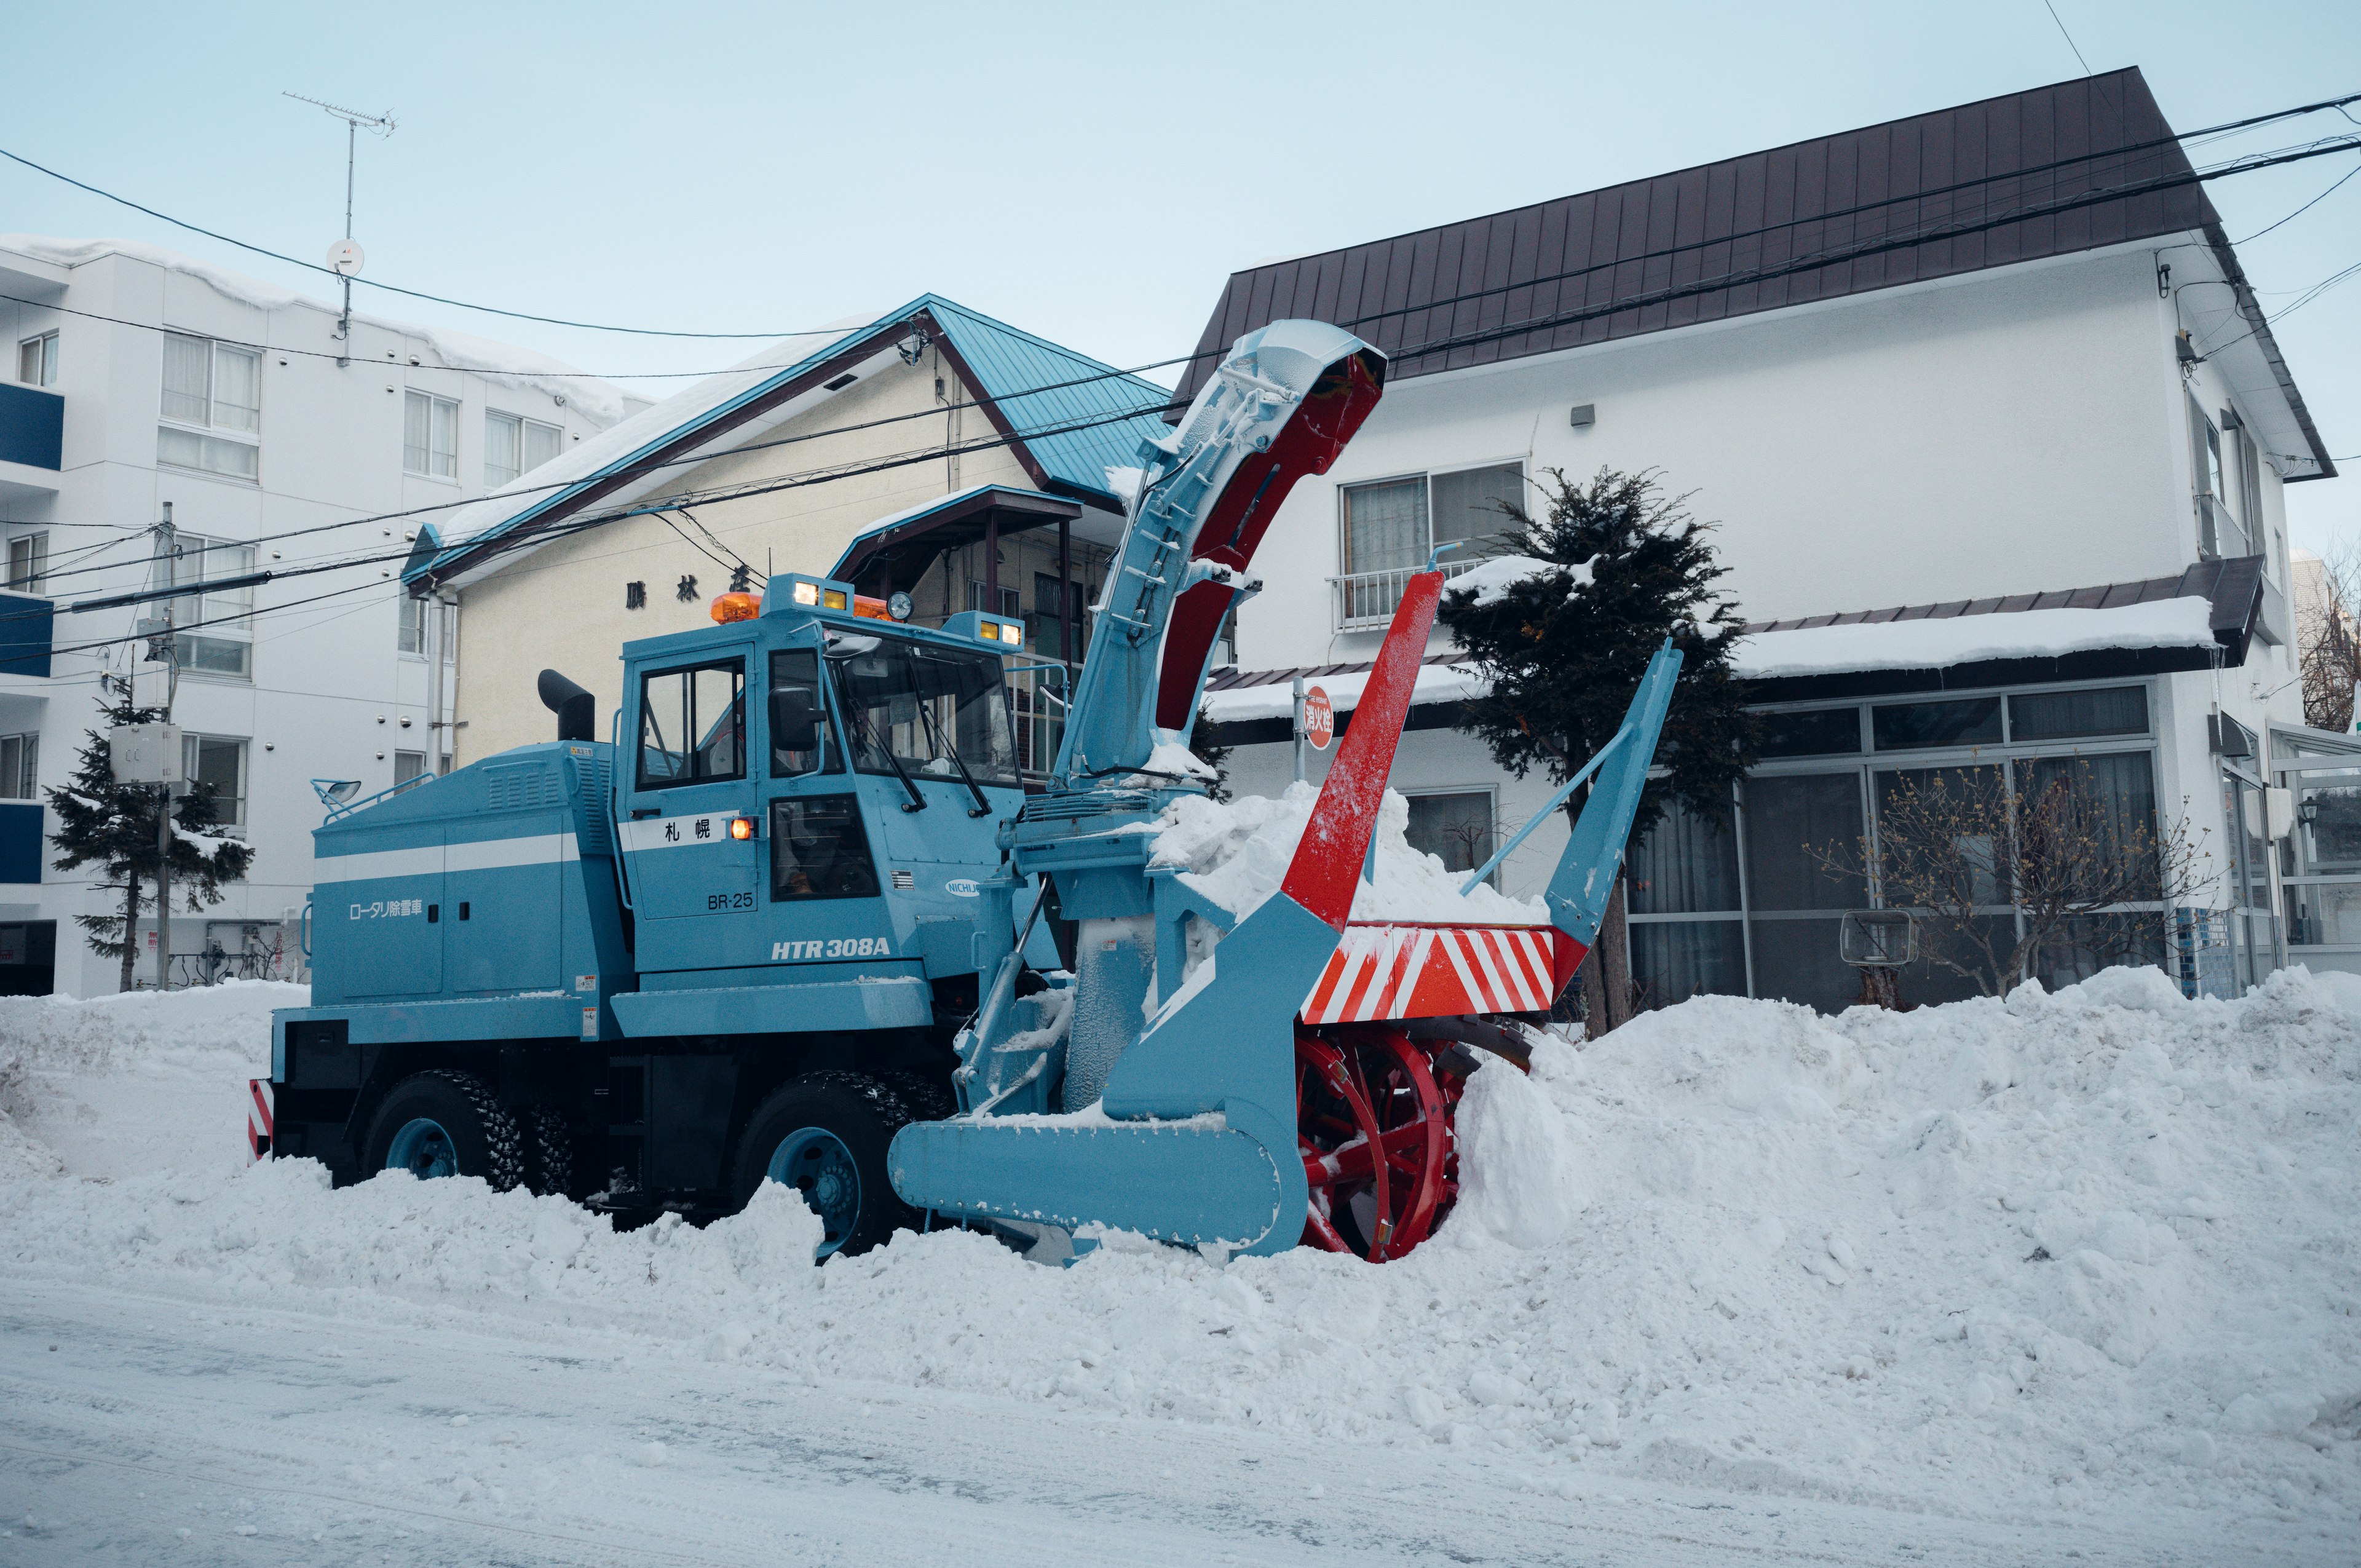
[(259, 1122), (1440, 971)]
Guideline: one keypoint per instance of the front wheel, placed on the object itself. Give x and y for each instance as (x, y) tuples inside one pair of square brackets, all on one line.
[(826, 1135), (445, 1123)]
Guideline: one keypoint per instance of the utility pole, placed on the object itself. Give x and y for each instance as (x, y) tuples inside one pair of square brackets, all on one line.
[(345, 259), (168, 551)]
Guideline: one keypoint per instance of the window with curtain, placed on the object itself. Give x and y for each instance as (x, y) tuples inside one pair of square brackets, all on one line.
[(220, 636), (211, 408), (430, 436), (1385, 526), (515, 445), (1687, 864)]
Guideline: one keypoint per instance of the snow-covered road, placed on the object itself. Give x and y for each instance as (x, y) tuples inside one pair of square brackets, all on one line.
[(2067, 1279), (141, 1429)]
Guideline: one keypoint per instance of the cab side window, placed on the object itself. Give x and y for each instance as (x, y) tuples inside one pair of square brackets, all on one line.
[(799, 716), (692, 724)]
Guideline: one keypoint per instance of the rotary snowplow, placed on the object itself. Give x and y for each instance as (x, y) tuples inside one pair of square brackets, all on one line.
[(803, 918)]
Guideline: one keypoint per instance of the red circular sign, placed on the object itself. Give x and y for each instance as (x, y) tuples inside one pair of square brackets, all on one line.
[(1319, 719)]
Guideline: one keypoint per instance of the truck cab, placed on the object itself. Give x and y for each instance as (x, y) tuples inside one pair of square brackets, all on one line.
[(812, 792)]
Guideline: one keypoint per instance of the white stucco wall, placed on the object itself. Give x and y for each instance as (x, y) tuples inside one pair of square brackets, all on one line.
[(331, 696)]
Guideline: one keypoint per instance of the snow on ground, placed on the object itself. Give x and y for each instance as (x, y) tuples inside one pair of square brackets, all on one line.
[(2082, 1262)]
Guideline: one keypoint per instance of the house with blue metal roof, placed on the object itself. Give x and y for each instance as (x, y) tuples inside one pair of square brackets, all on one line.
[(929, 450)]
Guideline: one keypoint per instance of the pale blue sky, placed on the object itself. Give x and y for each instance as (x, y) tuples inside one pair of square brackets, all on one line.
[(1091, 173)]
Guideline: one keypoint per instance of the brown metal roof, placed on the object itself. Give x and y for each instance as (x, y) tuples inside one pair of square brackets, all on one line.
[(2046, 172), (2235, 587)]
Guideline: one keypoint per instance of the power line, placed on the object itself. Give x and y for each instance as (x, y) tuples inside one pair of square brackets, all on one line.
[(2069, 37), (2305, 208), (388, 288)]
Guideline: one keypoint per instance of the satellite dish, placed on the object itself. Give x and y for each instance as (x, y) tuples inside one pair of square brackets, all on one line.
[(345, 259)]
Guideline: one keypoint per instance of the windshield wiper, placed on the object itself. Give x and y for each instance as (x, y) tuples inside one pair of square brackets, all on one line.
[(935, 728), (862, 735)]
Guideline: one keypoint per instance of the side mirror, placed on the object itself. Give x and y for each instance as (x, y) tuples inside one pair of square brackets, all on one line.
[(795, 720)]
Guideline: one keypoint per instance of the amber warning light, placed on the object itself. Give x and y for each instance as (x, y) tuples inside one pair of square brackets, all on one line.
[(730, 607), (742, 827)]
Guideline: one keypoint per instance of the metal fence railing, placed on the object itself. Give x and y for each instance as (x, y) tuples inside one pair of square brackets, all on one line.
[(1369, 598)]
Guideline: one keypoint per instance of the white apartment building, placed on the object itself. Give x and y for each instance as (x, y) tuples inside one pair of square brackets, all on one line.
[(141, 384), (1931, 378)]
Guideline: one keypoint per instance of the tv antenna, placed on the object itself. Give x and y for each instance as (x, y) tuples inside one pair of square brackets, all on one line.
[(345, 257)]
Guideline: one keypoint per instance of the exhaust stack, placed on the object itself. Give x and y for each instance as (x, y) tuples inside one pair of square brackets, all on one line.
[(576, 710)]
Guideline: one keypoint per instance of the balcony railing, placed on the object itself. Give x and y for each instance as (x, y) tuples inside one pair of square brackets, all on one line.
[(1369, 598), (24, 632), (32, 426)]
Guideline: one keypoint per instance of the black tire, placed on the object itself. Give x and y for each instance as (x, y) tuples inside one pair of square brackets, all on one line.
[(482, 1134), (927, 1096), (861, 1114), (549, 1152)]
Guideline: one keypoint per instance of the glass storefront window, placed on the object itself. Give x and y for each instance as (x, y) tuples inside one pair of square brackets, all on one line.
[(2072, 716)]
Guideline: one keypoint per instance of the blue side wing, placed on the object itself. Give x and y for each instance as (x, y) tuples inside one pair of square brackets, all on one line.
[(1586, 873)]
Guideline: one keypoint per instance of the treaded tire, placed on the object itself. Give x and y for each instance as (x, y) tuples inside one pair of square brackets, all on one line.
[(863, 1114), (927, 1097), (483, 1134), (549, 1152)]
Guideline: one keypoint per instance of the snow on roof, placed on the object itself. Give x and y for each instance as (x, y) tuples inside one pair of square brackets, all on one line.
[(502, 362), (1934, 643), (1276, 699)]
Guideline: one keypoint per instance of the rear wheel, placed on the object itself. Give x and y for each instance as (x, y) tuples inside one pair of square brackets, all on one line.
[(445, 1123), (826, 1135), (549, 1152)]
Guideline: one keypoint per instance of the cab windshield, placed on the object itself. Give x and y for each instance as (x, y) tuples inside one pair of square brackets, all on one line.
[(923, 704)]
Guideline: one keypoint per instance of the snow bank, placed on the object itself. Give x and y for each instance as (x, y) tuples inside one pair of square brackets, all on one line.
[(502, 362), (121, 1084), (2085, 1251), (1938, 643), (1276, 699), (1236, 852)]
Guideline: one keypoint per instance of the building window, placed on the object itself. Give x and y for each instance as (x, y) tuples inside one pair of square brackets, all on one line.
[(408, 765), (1455, 828), (20, 767), (1389, 529), (430, 436), (515, 445), (220, 636), (28, 562), (413, 634), (216, 764), (1010, 605), (451, 633), (37, 360), (213, 407), (2220, 531), (1752, 904)]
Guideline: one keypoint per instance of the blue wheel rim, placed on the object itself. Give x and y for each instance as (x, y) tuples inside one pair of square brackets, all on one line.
[(815, 1162), (424, 1149)]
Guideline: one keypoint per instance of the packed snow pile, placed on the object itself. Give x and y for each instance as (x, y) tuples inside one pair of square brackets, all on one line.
[(2093, 1249), (1236, 853), (126, 1083)]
